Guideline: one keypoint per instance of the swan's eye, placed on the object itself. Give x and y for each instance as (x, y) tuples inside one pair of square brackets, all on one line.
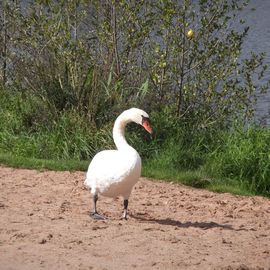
[(145, 119)]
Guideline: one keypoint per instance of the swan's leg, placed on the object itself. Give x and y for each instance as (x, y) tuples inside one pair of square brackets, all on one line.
[(95, 214), (125, 209), (95, 198)]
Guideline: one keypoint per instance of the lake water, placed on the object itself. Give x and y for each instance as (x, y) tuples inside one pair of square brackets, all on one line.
[(258, 40)]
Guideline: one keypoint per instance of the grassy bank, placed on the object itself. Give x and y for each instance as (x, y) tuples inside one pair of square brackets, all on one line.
[(235, 160), (42, 164), (194, 178)]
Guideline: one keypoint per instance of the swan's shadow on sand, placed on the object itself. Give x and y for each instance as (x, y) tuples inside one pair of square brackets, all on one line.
[(189, 224)]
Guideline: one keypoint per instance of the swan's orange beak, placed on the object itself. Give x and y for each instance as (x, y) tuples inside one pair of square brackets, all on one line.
[(147, 126)]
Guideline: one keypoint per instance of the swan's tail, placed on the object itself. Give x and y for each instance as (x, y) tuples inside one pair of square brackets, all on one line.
[(86, 182)]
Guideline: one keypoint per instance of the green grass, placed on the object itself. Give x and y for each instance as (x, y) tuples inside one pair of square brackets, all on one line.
[(235, 161), (41, 164), (197, 178), (194, 178), (243, 156), (232, 188)]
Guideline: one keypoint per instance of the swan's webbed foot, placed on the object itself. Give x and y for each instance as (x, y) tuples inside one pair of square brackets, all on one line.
[(97, 216), (124, 216)]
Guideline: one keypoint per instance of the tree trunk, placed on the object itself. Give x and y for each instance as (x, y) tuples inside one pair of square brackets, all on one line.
[(4, 53), (114, 29)]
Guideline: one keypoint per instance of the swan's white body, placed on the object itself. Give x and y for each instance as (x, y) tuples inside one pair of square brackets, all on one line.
[(113, 173)]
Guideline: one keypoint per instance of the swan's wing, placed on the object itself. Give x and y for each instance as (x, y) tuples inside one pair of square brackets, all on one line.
[(109, 167), (108, 164)]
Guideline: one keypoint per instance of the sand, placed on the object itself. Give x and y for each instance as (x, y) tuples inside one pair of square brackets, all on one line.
[(45, 224)]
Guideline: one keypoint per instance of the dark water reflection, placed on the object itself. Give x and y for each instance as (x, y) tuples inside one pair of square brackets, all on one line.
[(258, 40)]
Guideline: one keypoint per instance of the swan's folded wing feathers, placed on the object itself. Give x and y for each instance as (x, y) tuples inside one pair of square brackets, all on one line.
[(107, 168)]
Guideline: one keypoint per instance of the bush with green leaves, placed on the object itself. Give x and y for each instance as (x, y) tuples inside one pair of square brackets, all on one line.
[(100, 57)]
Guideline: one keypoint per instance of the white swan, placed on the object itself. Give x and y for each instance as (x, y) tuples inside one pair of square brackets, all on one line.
[(113, 173)]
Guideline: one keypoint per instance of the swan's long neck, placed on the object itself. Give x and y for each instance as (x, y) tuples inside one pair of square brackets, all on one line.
[(119, 131)]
